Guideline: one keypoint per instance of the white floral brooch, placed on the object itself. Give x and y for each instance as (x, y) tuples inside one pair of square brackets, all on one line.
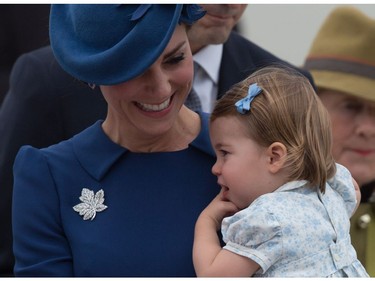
[(91, 204)]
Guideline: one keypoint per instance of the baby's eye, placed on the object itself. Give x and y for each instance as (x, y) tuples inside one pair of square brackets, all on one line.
[(223, 152)]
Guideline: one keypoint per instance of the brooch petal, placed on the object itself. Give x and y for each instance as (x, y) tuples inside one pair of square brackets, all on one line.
[(91, 203)]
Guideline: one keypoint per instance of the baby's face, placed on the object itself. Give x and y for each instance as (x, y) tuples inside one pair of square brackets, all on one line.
[(241, 165)]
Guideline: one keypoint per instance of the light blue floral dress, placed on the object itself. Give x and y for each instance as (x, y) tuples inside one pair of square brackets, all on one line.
[(297, 231)]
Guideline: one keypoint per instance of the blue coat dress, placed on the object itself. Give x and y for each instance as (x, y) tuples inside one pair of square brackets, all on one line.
[(152, 200)]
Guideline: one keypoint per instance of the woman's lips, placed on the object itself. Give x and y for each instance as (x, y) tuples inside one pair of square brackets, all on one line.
[(154, 107), (363, 152)]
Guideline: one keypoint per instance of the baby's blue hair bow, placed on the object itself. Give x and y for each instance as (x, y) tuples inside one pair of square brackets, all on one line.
[(243, 105)]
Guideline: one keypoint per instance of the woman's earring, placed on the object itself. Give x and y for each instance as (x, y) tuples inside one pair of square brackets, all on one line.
[(92, 86)]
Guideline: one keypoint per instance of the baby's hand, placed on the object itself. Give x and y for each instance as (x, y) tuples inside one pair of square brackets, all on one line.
[(218, 209), (357, 194)]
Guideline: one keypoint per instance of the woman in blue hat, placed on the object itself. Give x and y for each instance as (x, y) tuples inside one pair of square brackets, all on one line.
[(122, 197)]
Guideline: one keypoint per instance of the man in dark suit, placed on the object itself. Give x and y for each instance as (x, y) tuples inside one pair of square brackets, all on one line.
[(223, 56), (44, 105), (23, 28)]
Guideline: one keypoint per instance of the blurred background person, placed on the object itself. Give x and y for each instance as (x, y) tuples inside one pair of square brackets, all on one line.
[(342, 63), (223, 57), (23, 28)]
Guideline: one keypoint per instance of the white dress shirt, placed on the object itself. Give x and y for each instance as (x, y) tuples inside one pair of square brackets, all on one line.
[(206, 78)]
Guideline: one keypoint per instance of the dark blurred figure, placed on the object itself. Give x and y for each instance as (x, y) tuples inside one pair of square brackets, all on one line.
[(23, 27)]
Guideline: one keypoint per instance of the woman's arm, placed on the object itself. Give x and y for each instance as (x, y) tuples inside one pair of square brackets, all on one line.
[(40, 245)]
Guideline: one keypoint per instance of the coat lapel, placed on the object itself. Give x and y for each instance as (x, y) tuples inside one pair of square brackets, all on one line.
[(95, 151)]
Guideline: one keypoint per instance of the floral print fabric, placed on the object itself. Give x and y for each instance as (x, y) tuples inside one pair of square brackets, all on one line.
[(297, 231)]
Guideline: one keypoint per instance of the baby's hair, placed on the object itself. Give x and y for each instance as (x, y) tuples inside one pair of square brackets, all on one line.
[(287, 111)]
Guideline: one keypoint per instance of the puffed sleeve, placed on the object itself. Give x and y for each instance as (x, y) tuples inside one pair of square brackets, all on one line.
[(40, 246), (342, 183), (254, 233)]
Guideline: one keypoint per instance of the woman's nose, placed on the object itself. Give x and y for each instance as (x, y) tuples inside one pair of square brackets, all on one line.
[(366, 124), (157, 82)]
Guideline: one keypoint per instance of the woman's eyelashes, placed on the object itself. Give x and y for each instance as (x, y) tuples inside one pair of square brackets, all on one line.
[(176, 59)]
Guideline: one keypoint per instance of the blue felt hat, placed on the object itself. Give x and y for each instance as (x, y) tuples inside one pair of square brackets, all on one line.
[(110, 44)]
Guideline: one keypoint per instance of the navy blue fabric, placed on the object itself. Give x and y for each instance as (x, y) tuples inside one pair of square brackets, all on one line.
[(147, 229), (116, 42), (112, 48)]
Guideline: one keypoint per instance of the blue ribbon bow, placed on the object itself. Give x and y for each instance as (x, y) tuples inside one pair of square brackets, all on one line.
[(190, 13), (243, 105)]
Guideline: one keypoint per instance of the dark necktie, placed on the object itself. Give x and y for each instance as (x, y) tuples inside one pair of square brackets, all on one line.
[(193, 101)]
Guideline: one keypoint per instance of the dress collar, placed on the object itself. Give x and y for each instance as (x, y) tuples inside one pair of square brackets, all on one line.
[(97, 153), (291, 185)]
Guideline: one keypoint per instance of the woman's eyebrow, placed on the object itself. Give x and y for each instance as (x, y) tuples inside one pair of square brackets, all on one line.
[(175, 49)]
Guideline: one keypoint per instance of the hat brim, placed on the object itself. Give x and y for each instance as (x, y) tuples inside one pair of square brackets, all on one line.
[(353, 85), (128, 58)]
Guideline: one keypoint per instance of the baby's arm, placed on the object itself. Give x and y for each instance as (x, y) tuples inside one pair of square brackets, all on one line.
[(208, 256)]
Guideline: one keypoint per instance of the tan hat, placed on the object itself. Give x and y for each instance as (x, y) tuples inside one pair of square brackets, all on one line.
[(342, 56)]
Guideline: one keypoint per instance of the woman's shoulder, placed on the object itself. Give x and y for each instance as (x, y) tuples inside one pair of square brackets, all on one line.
[(90, 139), (202, 141)]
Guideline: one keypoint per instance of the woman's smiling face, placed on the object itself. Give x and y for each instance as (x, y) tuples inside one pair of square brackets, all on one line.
[(151, 102)]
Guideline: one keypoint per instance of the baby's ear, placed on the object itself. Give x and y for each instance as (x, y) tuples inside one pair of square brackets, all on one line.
[(276, 154)]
